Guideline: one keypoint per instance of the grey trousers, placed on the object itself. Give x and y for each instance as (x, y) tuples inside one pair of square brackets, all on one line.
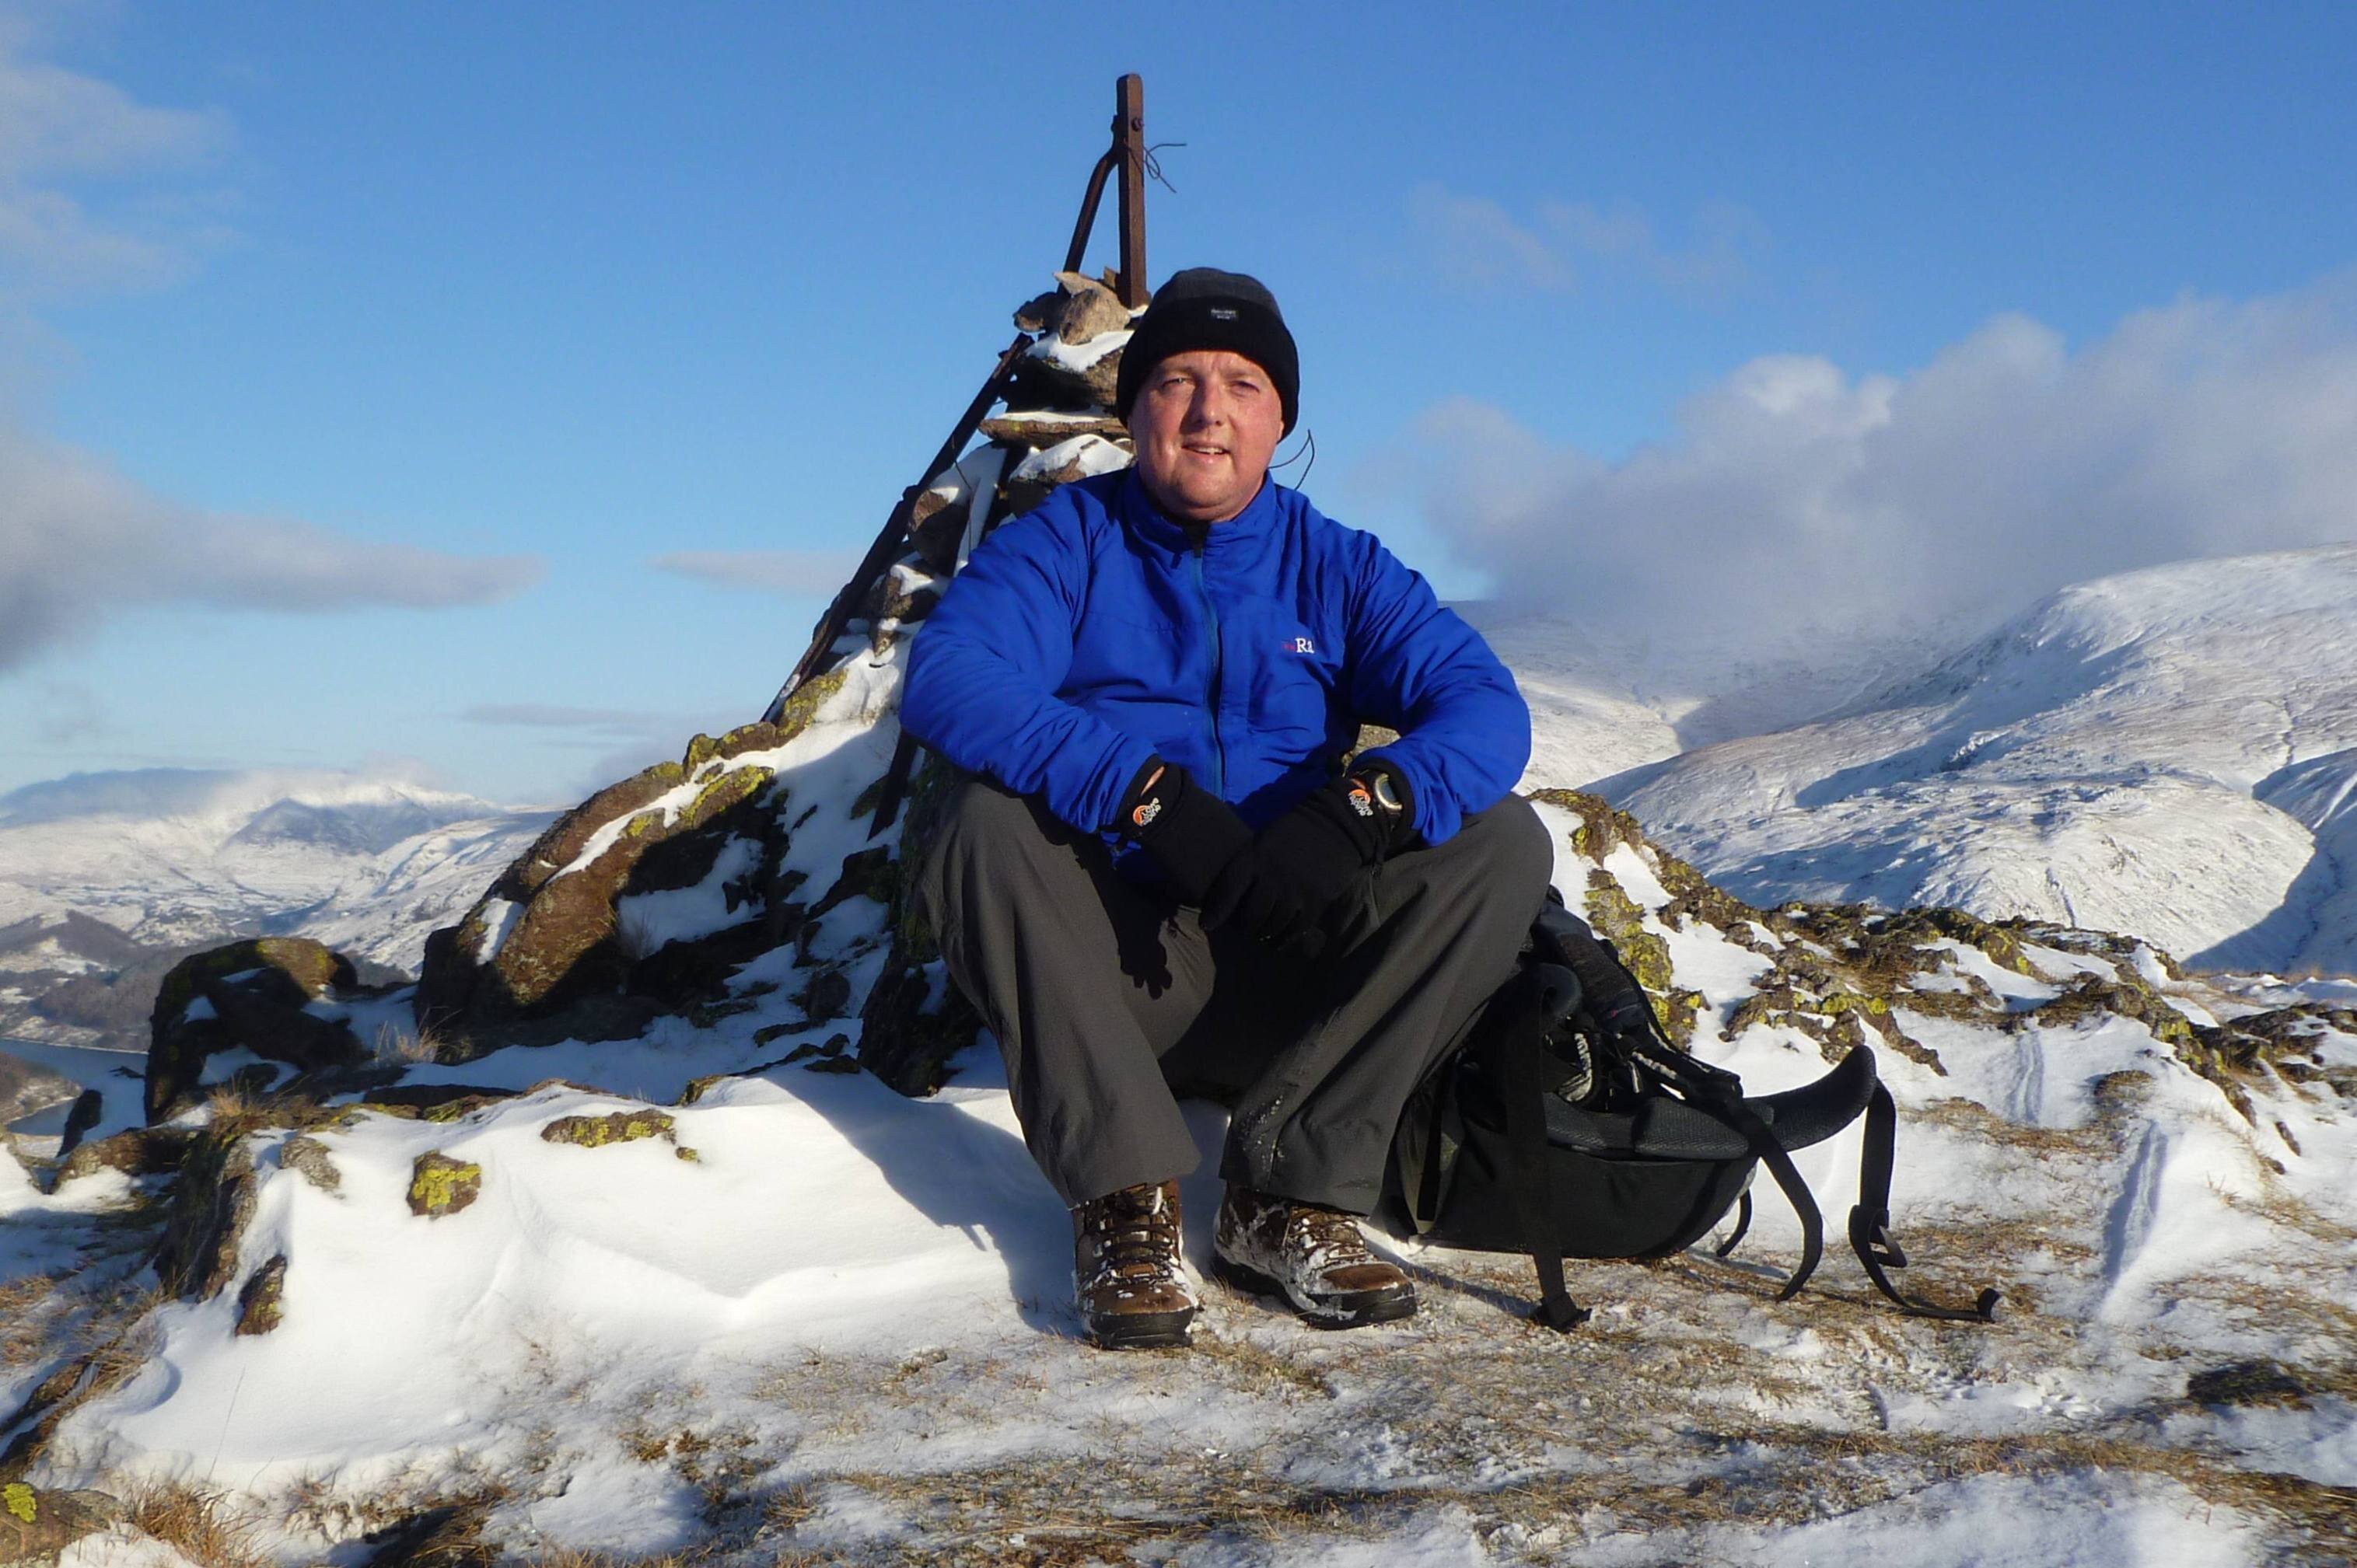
[(1110, 1000)]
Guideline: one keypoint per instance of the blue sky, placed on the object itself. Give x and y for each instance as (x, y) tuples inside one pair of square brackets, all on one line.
[(358, 363)]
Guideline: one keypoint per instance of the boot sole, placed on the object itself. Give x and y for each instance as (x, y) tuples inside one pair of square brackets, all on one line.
[(1140, 1330), (1342, 1309)]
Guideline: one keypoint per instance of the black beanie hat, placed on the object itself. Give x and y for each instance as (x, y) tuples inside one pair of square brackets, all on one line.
[(1203, 307)]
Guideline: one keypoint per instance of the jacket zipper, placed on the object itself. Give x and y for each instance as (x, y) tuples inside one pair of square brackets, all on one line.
[(1212, 698)]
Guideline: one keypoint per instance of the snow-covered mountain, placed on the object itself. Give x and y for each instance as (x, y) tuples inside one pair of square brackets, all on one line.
[(175, 856), (2171, 752), (1604, 702)]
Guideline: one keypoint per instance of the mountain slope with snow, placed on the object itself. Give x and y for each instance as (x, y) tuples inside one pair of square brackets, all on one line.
[(1605, 702), (2170, 752), (174, 856)]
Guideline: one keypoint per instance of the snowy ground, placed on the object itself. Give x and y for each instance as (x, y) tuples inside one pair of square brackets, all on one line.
[(839, 1331)]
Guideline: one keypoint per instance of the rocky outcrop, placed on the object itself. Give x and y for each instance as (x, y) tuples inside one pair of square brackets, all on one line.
[(1848, 974), (554, 941), (212, 1202), (261, 1306), (134, 1152), (260, 995)]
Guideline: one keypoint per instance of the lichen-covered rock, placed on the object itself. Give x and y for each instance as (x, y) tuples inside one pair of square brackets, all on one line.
[(440, 1185), (913, 1024), (620, 1127), (1617, 918), (552, 938), (308, 1158), (256, 995), (1090, 309), (37, 1525), (259, 1304), (212, 1202), (134, 1151), (913, 1021)]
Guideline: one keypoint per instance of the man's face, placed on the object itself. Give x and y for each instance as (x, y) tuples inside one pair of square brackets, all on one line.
[(1205, 424)]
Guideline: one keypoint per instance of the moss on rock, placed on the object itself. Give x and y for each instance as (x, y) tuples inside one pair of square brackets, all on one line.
[(213, 1200), (440, 1185), (597, 1131), (261, 1305), (308, 1158), (1603, 826), (795, 713), (36, 1525)]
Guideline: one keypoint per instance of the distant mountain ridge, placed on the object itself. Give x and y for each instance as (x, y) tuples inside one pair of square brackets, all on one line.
[(2171, 751), (105, 877)]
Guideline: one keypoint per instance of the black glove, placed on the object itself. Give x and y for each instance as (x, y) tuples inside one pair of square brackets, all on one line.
[(1191, 833), (1281, 890)]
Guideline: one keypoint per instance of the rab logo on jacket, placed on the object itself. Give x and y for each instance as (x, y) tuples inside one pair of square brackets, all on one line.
[(1304, 645)]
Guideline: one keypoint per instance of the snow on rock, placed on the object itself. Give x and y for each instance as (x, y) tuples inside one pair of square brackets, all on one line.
[(2164, 751), (582, 1250), (714, 1290)]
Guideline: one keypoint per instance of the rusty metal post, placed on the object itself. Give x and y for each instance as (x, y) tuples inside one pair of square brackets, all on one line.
[(1129, 142)]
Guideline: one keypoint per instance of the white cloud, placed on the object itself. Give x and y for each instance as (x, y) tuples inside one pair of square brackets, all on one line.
[(1796, 494), (818, 574), (1475, 242), (77, 542), (93, 184)]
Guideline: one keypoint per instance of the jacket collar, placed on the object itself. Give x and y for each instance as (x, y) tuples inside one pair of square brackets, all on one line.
[(1139, 512)]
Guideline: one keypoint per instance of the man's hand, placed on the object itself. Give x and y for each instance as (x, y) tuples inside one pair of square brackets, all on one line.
[(1192, 834), (1282, 887)]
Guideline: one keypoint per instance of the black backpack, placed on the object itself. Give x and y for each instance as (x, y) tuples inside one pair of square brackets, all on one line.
[(1570, 1126)]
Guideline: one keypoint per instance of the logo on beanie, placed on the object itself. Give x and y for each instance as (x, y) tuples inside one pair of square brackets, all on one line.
[(1222, 313)]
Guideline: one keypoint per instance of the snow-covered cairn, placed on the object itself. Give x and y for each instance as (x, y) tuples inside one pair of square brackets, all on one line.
[(753, 866)]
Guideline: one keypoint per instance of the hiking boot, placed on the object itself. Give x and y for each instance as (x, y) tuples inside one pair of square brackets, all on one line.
[(1127, 1280), (1314, 1257)]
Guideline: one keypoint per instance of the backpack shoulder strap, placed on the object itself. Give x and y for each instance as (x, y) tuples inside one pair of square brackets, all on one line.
[(1515, 1048), (1523, 1086)]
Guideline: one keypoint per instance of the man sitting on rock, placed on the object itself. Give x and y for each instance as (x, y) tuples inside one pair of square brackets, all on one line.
[(1166, 878)]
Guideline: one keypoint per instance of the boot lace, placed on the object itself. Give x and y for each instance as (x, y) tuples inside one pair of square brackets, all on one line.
[(1328, 1234), (1132, 1237)]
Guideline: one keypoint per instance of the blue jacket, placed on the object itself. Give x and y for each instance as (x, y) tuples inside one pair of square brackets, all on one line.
[(1091, 634)]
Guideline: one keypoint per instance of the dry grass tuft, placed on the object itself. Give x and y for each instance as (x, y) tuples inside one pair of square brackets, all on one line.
[(198, 1524)]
